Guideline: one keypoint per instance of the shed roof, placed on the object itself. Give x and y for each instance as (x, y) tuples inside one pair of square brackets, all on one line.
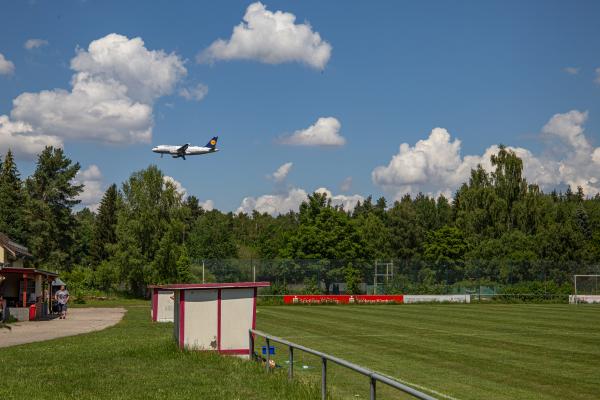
[(231, 285)]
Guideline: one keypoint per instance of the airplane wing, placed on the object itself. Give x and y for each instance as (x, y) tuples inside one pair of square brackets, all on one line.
[(183, 148)]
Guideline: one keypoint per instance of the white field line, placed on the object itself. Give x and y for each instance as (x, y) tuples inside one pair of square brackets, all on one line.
[(422, 388)]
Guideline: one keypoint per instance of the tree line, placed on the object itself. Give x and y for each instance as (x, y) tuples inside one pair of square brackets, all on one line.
[(498, 228)]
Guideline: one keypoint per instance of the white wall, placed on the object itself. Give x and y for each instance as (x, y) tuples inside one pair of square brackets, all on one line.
[(237, 309), (165, 306), (582, 298), (200, 319), (439, 298)]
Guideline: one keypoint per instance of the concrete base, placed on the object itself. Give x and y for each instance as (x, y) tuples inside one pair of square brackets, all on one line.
[(19, 313)]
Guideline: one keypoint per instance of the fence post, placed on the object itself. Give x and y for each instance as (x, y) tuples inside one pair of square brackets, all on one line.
[(291, 361), (324, 379), (250, 345), (373, 389), (268, 352)]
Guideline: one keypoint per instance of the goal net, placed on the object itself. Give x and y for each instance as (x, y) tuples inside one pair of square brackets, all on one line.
[(587, 289)]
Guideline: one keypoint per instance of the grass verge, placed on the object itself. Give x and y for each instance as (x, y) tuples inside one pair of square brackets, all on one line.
[(135, 359)]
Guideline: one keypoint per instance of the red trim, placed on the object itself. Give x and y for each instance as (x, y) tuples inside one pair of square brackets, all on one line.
[(181, 318), (212, 285), (27, 271), (154, 304), (219, 320), (235, 351), (254, 309)]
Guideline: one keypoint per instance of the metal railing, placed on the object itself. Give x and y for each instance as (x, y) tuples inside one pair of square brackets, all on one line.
[(373, 376)]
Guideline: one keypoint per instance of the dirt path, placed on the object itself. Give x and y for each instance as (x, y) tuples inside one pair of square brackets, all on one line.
[(79, 320)]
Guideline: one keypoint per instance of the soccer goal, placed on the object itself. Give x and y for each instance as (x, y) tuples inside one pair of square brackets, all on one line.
[(587, 289), (384, 274)]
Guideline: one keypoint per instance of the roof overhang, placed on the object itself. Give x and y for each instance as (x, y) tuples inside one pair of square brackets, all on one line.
[(14, 248), (190, 286), (27, 271)]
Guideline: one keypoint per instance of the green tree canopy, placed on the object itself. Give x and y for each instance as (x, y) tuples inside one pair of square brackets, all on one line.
[(51, 196)]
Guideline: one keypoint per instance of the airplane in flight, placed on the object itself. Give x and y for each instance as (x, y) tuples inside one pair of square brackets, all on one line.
[(187, 149)]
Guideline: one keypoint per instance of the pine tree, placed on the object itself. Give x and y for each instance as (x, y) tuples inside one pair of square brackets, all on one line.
[(11, 199), (105, 227), (51, 196), (583, 222)]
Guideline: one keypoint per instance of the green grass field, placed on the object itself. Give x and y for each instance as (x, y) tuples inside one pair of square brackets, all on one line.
[(477, 351), (474, 351), (136, 359)]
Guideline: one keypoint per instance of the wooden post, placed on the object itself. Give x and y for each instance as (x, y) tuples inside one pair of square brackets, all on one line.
[(24, 297)]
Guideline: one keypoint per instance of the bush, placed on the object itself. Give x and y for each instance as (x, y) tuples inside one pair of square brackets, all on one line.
[(311, 286), (106, 276), (536, 291), (353, 279)]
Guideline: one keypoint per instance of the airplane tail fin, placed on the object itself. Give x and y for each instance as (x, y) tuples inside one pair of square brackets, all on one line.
[(212, 143)]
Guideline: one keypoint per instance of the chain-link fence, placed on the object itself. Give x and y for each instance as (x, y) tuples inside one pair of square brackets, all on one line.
[(483, 278)]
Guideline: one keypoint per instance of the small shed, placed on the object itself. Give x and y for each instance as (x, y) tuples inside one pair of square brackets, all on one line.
[(214, 316), (162, 304)]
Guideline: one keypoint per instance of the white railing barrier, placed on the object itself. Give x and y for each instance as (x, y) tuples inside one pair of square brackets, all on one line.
[(373, 376)]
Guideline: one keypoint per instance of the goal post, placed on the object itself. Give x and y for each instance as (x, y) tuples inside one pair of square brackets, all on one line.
[(586, 289)]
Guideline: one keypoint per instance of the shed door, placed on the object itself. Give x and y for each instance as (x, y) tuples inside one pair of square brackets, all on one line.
[(201, 319), (165, 306), (237, 314)]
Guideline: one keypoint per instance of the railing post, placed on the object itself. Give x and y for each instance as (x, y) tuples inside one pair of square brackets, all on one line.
[(250, 345), (324, 379), (268, 354), (373, 389), (291, 361)]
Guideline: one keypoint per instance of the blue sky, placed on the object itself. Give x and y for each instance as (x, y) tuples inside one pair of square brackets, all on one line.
[(485, 72)]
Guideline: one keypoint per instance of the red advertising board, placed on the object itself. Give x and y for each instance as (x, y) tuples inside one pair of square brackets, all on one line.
[(342, 299)]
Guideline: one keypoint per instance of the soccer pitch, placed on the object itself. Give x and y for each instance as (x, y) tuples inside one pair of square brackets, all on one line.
[(470, 351)]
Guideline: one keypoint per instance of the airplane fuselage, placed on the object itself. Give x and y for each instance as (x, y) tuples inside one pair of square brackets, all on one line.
[(190, 151)]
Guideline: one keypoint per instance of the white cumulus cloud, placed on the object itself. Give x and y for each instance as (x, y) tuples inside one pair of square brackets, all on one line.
[(571, 70), (6, 66), (274, 203), (282, 172), (291, 200), (169, 180), (91, 179), (115, 84), (596, 156), (208, 205), (196, 93), (35, 43), (272, 38), (435, 165), (146, 74), (19, 137), (324, 132), (346, 202), (569, 128)]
